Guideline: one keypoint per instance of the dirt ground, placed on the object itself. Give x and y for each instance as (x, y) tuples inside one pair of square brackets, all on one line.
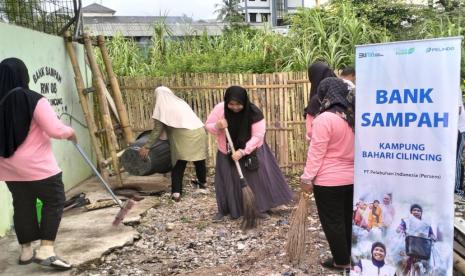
[(179, 238)]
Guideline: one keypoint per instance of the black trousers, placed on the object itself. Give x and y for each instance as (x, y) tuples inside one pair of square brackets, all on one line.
[(334, 206), (177, 174), (52, 194)]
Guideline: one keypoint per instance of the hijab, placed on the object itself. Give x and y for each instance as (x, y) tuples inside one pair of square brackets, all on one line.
[(317, 72), (17, 105), (378, 264), (240, 123), (174, 111), (334, 96)]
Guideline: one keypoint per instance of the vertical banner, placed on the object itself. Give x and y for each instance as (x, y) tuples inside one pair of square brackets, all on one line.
[(406, 137)]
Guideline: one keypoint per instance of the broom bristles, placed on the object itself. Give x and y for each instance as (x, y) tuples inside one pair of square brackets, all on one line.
[(297, 234), (249, 219)]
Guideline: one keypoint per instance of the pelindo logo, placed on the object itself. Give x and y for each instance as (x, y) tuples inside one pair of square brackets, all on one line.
[(369, 54), (406, 51), (439, 49)]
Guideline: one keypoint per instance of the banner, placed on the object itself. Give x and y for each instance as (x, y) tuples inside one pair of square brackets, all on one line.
[(406, 137)]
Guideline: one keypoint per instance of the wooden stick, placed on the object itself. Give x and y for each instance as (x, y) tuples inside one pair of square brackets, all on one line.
[(108, 161), (84, 102), (112, 104), (105, 112), (122, 112)]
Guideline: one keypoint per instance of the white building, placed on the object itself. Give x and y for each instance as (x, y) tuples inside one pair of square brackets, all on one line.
[(273, 11)]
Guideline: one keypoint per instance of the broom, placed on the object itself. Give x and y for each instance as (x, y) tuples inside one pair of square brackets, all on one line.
[(124, 207), (249, 219), (297, 234)]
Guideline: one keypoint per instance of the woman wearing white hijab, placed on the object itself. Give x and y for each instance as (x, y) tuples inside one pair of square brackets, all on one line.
[(186, 134)]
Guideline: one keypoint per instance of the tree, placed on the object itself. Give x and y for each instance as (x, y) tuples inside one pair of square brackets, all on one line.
[(228, 11), (19, 11)]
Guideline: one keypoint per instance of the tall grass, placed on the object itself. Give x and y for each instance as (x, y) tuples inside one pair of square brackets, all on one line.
[(330, 33)]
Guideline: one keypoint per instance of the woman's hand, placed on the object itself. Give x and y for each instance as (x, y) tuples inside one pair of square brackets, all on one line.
[(221, 124), (306, 186), (144, 152), (72, 138), (237, 155)]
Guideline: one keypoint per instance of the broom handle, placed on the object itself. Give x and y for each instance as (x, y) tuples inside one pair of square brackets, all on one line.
[(98, 175), (231, 146)]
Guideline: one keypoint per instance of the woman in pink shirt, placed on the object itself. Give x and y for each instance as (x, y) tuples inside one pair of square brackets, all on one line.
[(27, 164), (247, 127), (329, 170)]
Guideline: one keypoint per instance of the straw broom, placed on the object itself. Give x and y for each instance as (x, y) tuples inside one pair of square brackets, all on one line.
[(297, 234), (249, 218)]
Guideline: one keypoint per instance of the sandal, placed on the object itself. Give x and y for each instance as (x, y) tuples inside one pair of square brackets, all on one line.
[(54, 262), (26, 262), (218, 217), (197, 184), (329, 264), (21, 262), (176, 197)]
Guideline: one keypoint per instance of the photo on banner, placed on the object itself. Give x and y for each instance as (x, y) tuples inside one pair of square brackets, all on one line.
[(407, 104)]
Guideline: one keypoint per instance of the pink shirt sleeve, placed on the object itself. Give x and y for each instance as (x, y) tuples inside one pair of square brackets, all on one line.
[(308, 126), (47, 119), (216, 114), (258, 135), (321, 135)]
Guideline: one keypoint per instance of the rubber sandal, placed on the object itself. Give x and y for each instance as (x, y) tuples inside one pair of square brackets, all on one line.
[(54, 262), (26, 262), (197, 184), (218, 217), (329, 264), (176, 198)]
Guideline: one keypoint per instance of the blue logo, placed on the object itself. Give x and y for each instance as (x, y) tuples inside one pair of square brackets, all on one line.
[(406, 51), (369, 54), (439, 49)]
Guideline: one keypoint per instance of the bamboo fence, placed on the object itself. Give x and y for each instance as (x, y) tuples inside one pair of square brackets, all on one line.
[(281, 96)]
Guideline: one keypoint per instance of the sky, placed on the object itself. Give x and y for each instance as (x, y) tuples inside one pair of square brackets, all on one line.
[(197, 9)]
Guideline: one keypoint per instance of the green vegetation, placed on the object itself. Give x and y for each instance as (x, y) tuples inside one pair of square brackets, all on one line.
[(329, 33)]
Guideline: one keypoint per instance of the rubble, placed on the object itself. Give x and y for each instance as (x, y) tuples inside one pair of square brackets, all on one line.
[(179, 238)]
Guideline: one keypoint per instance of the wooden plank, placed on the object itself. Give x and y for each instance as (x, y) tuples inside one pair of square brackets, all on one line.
[(231, 81)]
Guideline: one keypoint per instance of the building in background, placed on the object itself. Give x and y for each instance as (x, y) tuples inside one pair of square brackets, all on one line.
[(100, 20), (271, 11)]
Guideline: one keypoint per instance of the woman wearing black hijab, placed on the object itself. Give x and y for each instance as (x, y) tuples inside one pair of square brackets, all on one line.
[(317, 72), (247, 127), (27, 164), (377, 265), (329, 169)]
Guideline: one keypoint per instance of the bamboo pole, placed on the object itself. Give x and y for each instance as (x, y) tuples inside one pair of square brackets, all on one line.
[(105, 112), (122, 112), (85, 103)]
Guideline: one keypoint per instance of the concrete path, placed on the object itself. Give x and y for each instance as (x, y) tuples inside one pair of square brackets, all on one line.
[(84, 236)]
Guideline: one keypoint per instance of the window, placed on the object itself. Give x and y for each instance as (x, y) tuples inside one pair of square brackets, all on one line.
[(253, 17), (264, 17)]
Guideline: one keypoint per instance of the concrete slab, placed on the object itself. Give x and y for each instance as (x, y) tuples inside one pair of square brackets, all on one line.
[(85, 236)]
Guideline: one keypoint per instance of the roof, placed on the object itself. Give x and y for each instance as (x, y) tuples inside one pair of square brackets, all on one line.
[(147, 29), (97, 8), (135, 19)]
